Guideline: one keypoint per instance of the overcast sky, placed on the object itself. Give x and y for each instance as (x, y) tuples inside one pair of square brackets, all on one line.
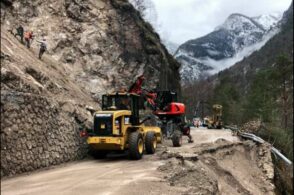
[(181, 20)]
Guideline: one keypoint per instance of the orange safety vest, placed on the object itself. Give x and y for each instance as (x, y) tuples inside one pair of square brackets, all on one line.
[(28, 35)]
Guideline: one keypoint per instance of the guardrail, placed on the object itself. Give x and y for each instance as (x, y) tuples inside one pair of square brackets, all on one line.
[(261, 141)]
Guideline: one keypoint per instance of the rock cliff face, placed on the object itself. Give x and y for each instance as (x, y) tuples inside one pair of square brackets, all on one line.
[(92, 38), (94, 47)]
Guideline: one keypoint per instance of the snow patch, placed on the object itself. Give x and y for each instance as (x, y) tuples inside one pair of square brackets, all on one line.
[(213, 52), (226, 63), (268, 21)]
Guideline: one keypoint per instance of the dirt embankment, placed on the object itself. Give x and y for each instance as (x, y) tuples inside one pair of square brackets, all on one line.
[(222, 167)]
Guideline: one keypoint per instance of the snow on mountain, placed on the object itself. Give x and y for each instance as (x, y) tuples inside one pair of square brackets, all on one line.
[(229, 43), (268, 21)]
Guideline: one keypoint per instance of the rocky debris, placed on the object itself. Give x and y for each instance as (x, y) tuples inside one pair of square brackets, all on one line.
[(181, 156), (265, 161), (221, 167), (219, 144), (192, 176), (251, 127)]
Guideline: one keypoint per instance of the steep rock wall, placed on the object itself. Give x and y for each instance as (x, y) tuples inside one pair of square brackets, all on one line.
[(94, 47), (36, 132)]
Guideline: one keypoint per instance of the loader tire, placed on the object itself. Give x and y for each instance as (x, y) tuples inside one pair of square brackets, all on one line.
[(177, 139), (136, 145), (150, 142)]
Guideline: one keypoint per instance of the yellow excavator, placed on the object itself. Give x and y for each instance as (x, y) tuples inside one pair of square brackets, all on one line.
[(118, 128), (215, 122)]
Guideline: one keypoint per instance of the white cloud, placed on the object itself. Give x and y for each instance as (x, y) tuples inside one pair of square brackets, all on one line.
[(181, 20)]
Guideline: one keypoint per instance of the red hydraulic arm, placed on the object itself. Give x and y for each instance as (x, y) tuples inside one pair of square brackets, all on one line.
[(137, 86), (172, 109)]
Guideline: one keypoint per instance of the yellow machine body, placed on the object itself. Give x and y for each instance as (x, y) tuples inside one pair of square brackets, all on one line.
[(117, 140), (216, 120)]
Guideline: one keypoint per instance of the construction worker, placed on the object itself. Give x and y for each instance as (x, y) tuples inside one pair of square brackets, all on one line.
[(28, 38), (186, 131), (43, 48), (184, 127), (19, 32)]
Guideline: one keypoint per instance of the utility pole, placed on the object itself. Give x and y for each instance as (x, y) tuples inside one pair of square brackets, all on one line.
[(202, 114)]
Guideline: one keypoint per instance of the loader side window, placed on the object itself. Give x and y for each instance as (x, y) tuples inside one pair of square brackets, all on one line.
[(127, 120), (118, 125)]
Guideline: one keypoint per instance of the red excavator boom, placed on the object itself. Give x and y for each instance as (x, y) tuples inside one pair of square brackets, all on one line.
[(165, 106), (162, 102)]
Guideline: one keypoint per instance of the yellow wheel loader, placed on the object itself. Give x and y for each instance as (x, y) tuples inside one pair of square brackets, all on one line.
[(118, 128), (215, 122)]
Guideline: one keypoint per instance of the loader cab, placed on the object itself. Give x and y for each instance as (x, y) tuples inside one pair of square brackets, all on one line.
[(123, 101)]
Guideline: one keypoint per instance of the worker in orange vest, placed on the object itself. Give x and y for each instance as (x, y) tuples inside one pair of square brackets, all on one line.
[(28, 38)]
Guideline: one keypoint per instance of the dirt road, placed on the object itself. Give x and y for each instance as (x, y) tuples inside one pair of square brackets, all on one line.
[(114, 175)]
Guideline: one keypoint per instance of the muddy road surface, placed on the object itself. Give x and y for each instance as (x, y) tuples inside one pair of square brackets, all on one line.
[(194, 168)]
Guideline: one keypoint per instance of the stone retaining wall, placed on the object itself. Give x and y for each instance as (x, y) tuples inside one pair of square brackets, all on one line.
[(36, 132)]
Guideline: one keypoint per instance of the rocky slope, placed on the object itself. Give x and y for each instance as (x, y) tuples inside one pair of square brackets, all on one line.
[(94, 38), (237, 37), (94, 47)]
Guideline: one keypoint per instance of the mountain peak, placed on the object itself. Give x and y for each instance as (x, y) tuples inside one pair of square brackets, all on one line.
[(239, 22), (234, 15), (236, 38), (268, 20)]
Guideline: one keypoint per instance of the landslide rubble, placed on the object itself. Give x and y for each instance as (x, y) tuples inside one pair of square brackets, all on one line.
[(221, 167)]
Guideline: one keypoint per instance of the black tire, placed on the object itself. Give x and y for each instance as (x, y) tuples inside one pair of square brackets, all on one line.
[(136, 145), (177, 139), (150, 142)]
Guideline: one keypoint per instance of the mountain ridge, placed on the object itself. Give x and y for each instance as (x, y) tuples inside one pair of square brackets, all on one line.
[(205, 54)]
